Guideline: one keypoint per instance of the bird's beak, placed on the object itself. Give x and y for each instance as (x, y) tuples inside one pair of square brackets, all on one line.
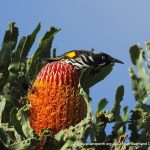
[(114, 60)]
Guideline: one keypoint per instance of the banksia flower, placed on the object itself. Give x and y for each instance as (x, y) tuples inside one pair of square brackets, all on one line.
[(55, 100)]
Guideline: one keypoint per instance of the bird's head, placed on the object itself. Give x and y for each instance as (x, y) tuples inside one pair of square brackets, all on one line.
[(105, 59)]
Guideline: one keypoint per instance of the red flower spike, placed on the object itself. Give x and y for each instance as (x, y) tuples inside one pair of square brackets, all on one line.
[(56, 104)]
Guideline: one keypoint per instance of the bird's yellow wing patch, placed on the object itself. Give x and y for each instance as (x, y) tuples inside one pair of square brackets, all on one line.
[(70, 54)]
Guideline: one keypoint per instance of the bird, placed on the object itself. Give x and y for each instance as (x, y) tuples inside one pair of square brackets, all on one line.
[(83, 59)]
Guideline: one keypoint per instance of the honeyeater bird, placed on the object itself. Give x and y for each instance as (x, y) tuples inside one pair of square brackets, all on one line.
[(55, 98), (82, 59)]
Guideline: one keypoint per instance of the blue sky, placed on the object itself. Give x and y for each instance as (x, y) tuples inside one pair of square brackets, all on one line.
[(108, 26)]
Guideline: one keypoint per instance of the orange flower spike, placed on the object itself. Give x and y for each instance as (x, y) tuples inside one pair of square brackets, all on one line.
[(56, 103)]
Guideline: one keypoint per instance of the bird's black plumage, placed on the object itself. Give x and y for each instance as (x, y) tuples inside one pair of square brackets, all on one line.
[(83, 59)]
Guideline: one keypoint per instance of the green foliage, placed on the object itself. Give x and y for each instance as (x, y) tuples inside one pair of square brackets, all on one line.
[(140, 116), (101, 105), (17, 70), (99, 76), (87, 81), (105, 118), (140, 81)]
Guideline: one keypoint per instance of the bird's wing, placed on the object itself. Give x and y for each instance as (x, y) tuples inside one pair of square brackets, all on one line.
[(44, 61), (51, 59)]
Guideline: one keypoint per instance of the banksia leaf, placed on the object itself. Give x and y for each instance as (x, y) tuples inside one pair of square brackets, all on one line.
[(56, 102), (15, 122), (29, 143), (25, 45), (4, 137), (119, 143), (118, 99), (148, 49), (22, 117), (2, 106), (117, 130), (125, 113), (46, 43), (101, 105), (140, 93), (83, 80), (140, 81), (136, 54), (43, 51), (8, 45), (99, 76), (140, 118)]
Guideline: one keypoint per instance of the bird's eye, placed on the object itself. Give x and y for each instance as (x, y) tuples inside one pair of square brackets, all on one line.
[(103, 57)]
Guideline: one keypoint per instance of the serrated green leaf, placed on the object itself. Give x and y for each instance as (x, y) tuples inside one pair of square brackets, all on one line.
[(84, 77), (3, 76), (140, 85), (25, 45), (11, 35), (9, 44), (2, 106), (146, 108), (135, 120), (5, 98), (148, 49), (32, 69), (87, 79), (3, 146), (99, 76), (45, 44), (125, 115), (4, 137), (140, 81), (22, 116), (15, 122), (43, 51), (136, 54), (101, 105), (119, 94), (31, 143), (118, 98), (67, 145)]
